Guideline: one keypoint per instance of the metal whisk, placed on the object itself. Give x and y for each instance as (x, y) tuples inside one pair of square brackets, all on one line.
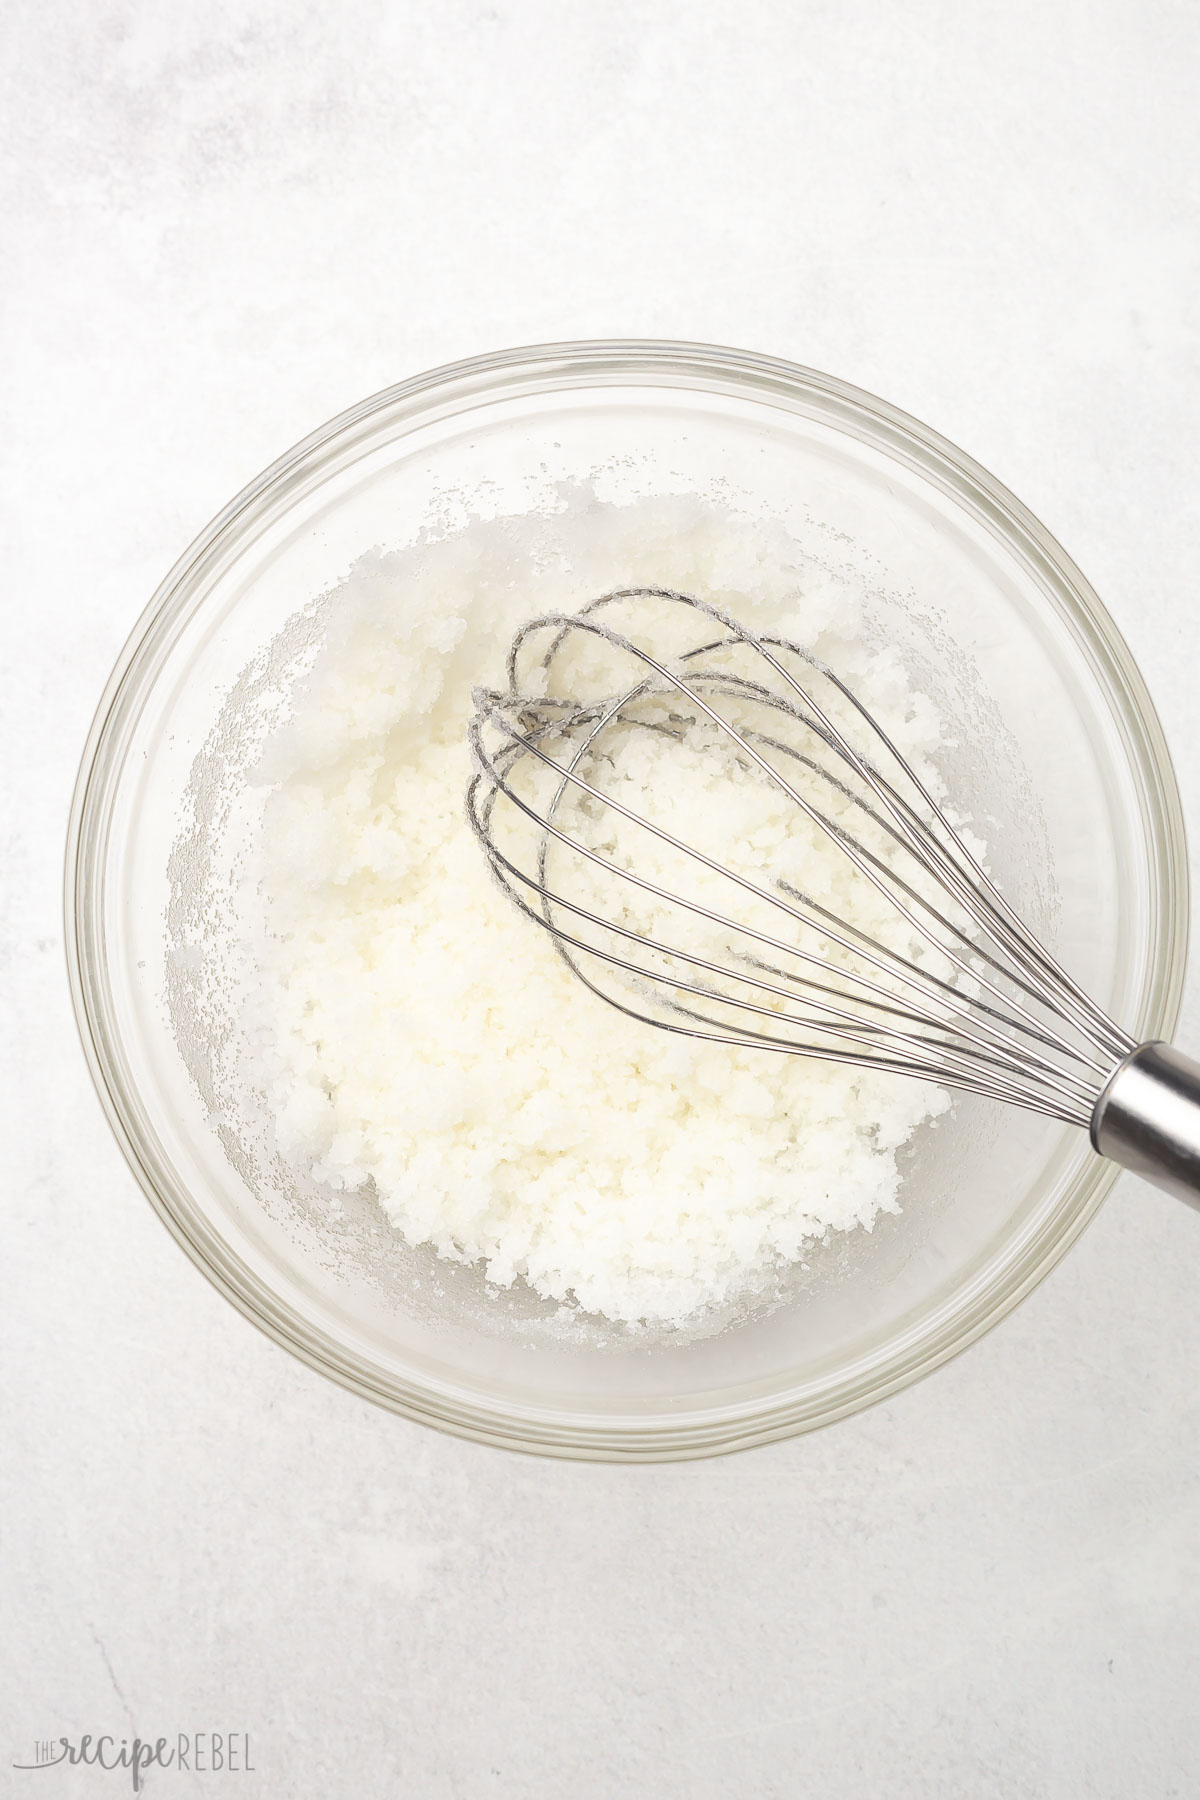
[(581, 801)]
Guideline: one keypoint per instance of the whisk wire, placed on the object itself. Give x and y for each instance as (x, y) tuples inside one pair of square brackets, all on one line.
[(970, 1028)]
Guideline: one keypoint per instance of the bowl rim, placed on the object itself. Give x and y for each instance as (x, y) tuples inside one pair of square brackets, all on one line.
[(598, 362)]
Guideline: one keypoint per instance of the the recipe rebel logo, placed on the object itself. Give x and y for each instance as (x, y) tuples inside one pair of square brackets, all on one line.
[(194, 1752)]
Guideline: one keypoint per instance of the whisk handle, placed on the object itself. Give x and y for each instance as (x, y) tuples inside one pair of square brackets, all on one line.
[(1148, 1119)]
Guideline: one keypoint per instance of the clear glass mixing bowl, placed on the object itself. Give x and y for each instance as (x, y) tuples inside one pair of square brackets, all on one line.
[(1060, 754)]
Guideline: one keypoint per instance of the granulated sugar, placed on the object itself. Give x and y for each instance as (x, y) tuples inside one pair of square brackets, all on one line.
[(426, 1040)]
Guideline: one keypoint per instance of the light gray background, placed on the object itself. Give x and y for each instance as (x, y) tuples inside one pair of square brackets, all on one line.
[(224, 222)]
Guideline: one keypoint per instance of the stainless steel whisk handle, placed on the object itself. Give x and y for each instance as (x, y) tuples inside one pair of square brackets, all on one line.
[(1148, 1119)]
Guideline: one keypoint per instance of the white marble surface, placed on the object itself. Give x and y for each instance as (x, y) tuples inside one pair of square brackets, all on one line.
[(224, 222)]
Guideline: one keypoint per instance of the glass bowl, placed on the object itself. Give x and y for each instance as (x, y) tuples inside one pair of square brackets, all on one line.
[(1058, 752)]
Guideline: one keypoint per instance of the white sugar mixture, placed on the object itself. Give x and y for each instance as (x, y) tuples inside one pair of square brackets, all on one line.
[(427, 1043)]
